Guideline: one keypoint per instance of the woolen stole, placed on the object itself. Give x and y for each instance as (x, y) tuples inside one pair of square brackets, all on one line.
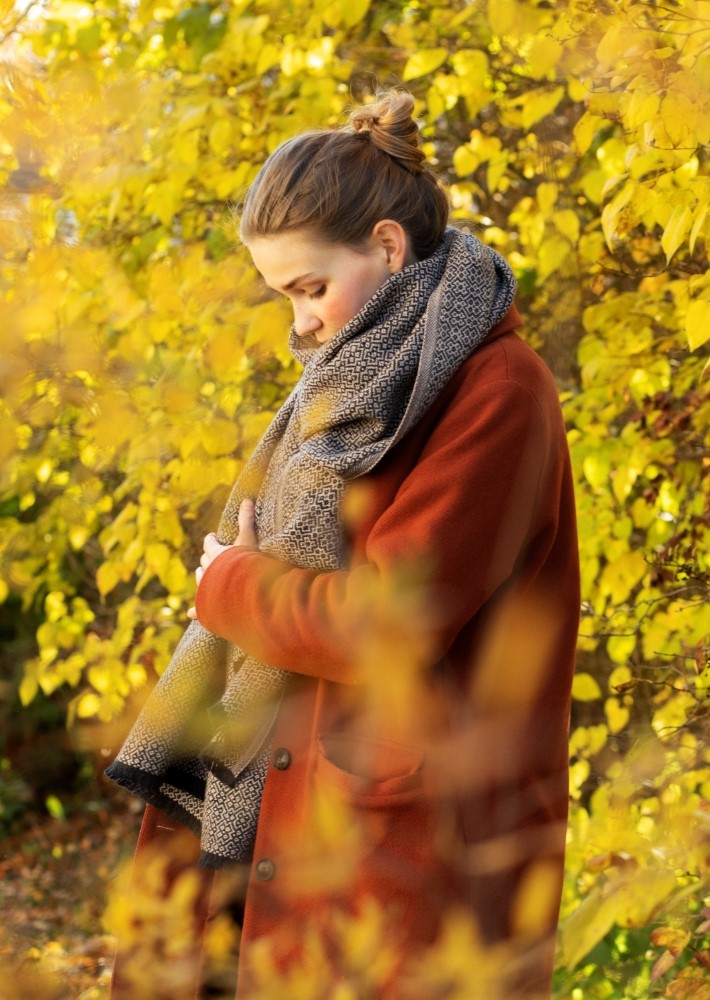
[(200, 749)]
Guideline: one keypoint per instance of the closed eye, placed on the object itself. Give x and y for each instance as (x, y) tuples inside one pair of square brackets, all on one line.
[(318, 293)]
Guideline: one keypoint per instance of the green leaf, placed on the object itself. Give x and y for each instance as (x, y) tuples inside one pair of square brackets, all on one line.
[(54, 807)]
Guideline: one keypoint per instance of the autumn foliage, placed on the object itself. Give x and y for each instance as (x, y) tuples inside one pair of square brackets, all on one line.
[(140, 361)]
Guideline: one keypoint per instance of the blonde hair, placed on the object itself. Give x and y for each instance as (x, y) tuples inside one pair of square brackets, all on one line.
[(339, 183)]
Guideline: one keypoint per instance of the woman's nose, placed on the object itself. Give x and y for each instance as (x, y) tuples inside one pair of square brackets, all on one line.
[(304, 319)]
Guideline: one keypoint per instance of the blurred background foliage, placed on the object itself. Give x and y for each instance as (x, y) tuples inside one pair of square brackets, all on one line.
[(140, 361)]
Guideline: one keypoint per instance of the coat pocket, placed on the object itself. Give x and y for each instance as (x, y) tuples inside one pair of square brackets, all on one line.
[(370, 772)]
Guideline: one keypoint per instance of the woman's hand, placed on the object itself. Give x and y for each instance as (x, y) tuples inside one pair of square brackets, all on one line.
[(212, 548)]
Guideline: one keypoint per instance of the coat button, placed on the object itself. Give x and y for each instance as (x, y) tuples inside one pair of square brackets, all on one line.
[(265, 869), (282, 759)]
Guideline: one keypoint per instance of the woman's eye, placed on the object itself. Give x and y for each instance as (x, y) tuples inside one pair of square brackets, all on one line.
[(317, 294)]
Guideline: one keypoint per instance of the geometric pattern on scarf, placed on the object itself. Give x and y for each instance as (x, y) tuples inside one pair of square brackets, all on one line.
[(200, 748)]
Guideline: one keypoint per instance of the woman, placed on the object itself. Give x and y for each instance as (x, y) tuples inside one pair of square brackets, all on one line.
[(390, 603)]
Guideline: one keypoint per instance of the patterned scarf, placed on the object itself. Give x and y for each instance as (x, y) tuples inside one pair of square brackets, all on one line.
[(200, 749)]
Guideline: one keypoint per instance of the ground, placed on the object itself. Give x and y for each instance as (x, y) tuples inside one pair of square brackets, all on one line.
[(54, 877)]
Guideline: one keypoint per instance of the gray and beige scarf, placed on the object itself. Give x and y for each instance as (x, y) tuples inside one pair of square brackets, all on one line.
[(200, 749)]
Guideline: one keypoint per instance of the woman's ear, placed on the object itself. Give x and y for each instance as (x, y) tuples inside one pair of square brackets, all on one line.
[(389, 237)]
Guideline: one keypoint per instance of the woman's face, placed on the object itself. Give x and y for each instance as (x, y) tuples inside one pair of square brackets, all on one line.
[(327, 284)]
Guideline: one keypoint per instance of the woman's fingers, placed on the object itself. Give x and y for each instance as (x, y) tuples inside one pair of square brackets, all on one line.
[(211, 548), (247, 530)]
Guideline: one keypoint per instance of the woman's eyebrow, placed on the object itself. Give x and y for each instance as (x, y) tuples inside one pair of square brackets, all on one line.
[(295, 281)]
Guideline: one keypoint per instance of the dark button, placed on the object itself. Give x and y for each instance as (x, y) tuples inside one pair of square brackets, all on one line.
[(282, 759), (265, 869)]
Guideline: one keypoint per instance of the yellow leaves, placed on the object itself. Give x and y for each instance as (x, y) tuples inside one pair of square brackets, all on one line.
[(345, 12), (551, 255), (652, 378), (697, 323), (682, 122), (620, 577), (596, 467), (157, 558), (698, 223), (640, 895), (585, 688), (586, 741), (578, 774), (501, 16), (546, 194), (537, 896), (642, 107), (470, 64), (516, 19), (29, 685), (472, 79), (88, 705), (617, 219), (623, 479), (220, 137), (566, 222), (482, 149), (182, 369), (623, 42), (673, 714), (163, 200), (217, 437), (224, 353), (585, 928), (269, 55), (107, 578), (423, 62), (619, 677), (533, 105), (626, 899), (620, 647), (676, 230), (543, 55), (617, 715)]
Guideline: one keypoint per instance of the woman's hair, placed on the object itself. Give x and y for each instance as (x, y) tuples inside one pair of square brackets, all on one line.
[(339, 183)]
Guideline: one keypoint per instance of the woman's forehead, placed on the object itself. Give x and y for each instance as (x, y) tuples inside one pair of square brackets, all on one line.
[(289, 257)]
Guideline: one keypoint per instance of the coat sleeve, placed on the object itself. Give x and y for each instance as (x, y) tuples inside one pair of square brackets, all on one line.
[(452, 535)]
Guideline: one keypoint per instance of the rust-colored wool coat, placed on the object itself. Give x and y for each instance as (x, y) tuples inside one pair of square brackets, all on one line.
[(420, 751)]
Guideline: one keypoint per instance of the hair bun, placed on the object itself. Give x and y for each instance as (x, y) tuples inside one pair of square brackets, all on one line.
[(363, 120), (389, 123)]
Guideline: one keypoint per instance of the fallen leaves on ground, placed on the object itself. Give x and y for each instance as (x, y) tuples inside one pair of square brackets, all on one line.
[(53, 880)]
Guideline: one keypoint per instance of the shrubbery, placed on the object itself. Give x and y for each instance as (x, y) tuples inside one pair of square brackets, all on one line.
[(140, 362)]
